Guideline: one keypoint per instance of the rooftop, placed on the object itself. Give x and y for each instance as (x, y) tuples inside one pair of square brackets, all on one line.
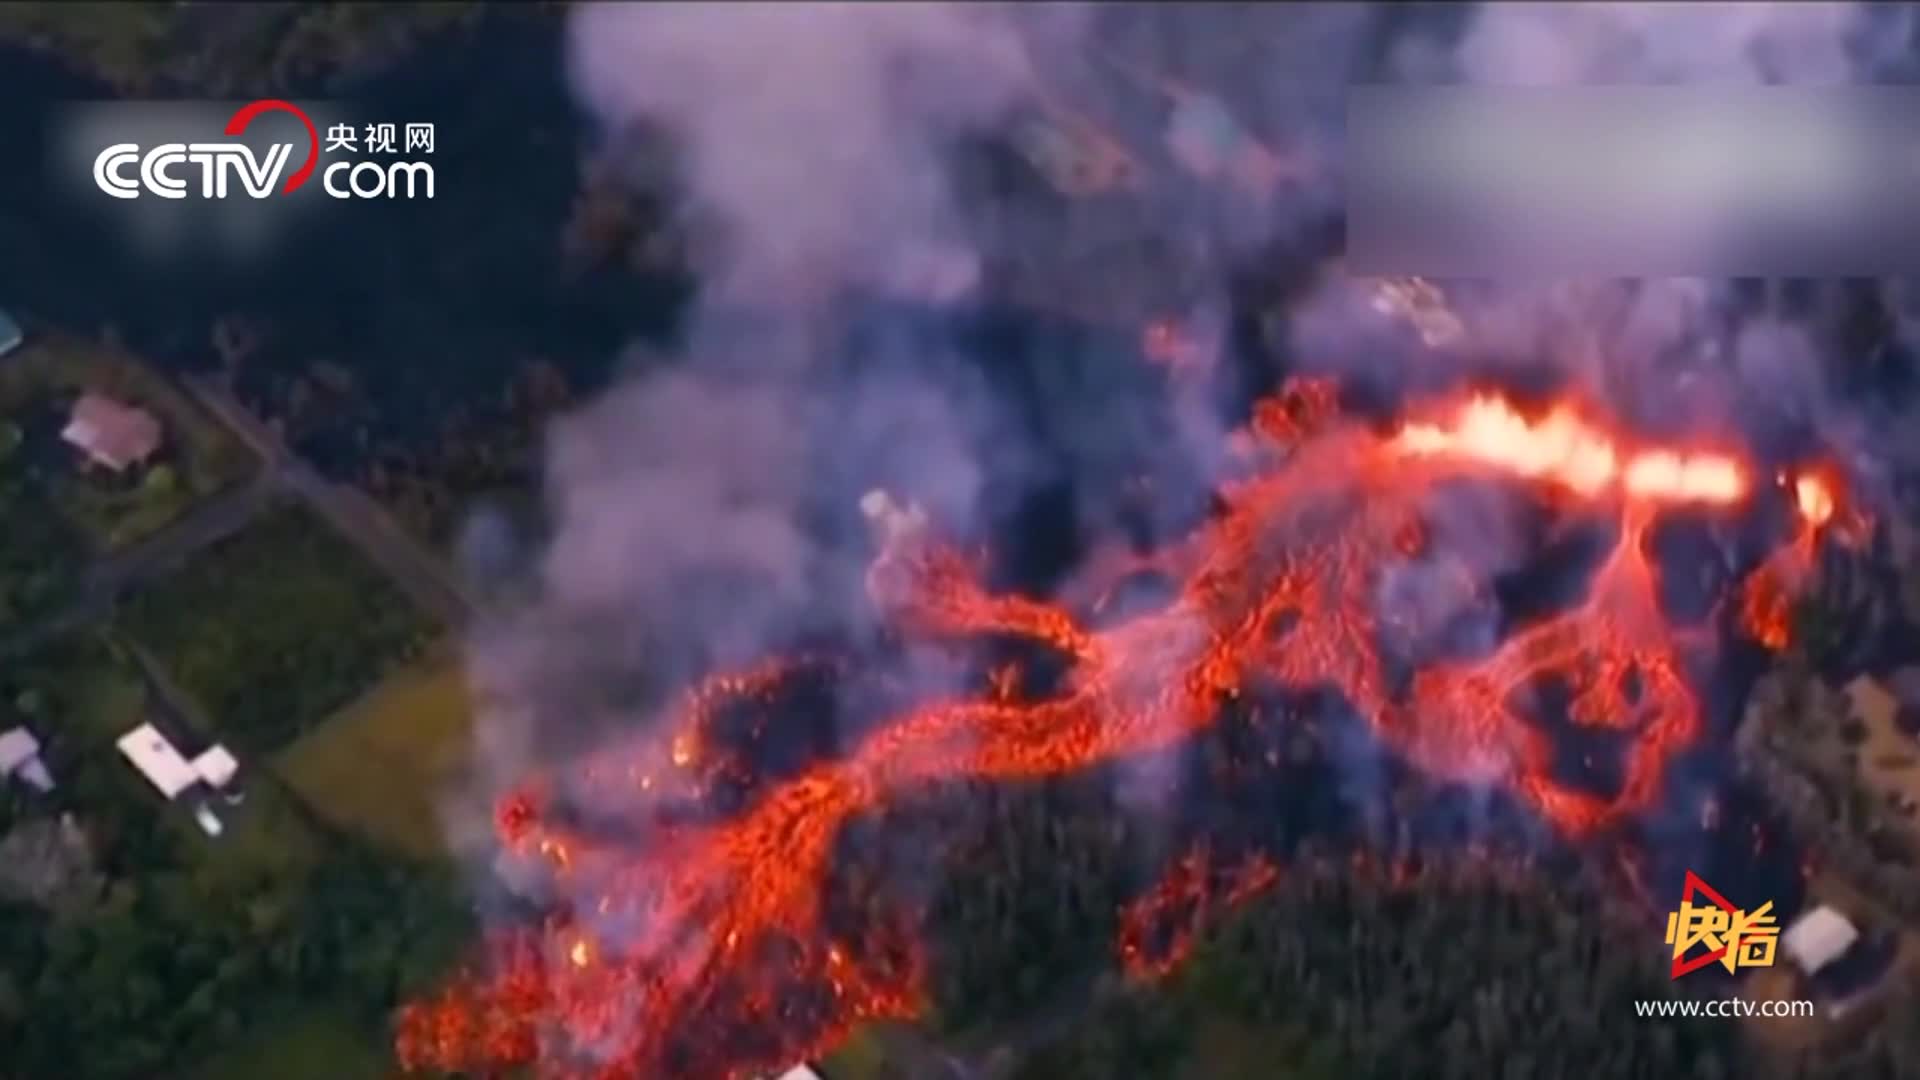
[(1818, 938), (216, 766), (112, 434), (20, 756), (158, 760), (17, 745)]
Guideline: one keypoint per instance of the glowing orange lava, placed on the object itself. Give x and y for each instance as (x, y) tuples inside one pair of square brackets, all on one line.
[(1157, 931), (677, 925)]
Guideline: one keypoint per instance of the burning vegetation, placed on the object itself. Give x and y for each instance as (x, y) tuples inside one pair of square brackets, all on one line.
[(689, 935)]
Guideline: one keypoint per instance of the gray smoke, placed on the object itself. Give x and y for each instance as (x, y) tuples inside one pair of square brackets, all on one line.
[(812, 132), (704, 509)]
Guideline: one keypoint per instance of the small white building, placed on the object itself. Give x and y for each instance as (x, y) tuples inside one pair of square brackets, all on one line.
[(1818, 938), (216, 767), (172, 774), (20, 756), (208, 821), (158, 760), (112, 435)]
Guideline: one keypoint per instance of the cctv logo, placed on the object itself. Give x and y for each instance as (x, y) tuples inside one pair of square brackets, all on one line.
[(216, 161), (125, 172)]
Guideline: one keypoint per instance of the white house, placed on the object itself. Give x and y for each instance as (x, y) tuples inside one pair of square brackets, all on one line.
[(172, 774), (1818, 938), (20, 756), (216, 766), (158, 760)]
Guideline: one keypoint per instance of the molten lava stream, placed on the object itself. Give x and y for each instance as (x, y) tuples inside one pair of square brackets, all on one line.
[(674, 928), (1157, 931)]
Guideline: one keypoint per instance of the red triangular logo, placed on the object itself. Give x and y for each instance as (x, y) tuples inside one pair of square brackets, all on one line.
[(1694, 887)]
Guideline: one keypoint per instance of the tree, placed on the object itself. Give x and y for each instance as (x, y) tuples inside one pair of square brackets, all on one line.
[(160, 480)]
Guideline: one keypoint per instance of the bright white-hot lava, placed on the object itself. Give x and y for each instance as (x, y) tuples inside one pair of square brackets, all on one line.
[(1565, 449)]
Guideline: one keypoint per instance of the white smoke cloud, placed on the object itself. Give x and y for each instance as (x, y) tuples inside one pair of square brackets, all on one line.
[(627, 480), (812, 131), (696, 508)]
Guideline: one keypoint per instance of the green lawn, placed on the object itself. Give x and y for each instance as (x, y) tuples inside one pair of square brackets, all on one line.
[(275, 628), (113, 514), (198, 457), (379, 765), (41, 556), (77, 691)]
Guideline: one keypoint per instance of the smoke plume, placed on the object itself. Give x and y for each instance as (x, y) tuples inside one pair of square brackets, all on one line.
[(704, 509), (812, 132)]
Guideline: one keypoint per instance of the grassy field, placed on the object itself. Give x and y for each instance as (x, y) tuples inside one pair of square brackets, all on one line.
[(275, 628), (105, 702), (41, 556), (200, 457), (78, 693), (379, 765)]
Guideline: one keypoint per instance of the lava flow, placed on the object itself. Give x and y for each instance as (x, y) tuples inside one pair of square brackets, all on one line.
[(697, 946), (1158, 930)]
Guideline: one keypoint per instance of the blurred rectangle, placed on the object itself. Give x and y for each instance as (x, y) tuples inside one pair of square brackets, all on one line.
[(1641, 181)]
